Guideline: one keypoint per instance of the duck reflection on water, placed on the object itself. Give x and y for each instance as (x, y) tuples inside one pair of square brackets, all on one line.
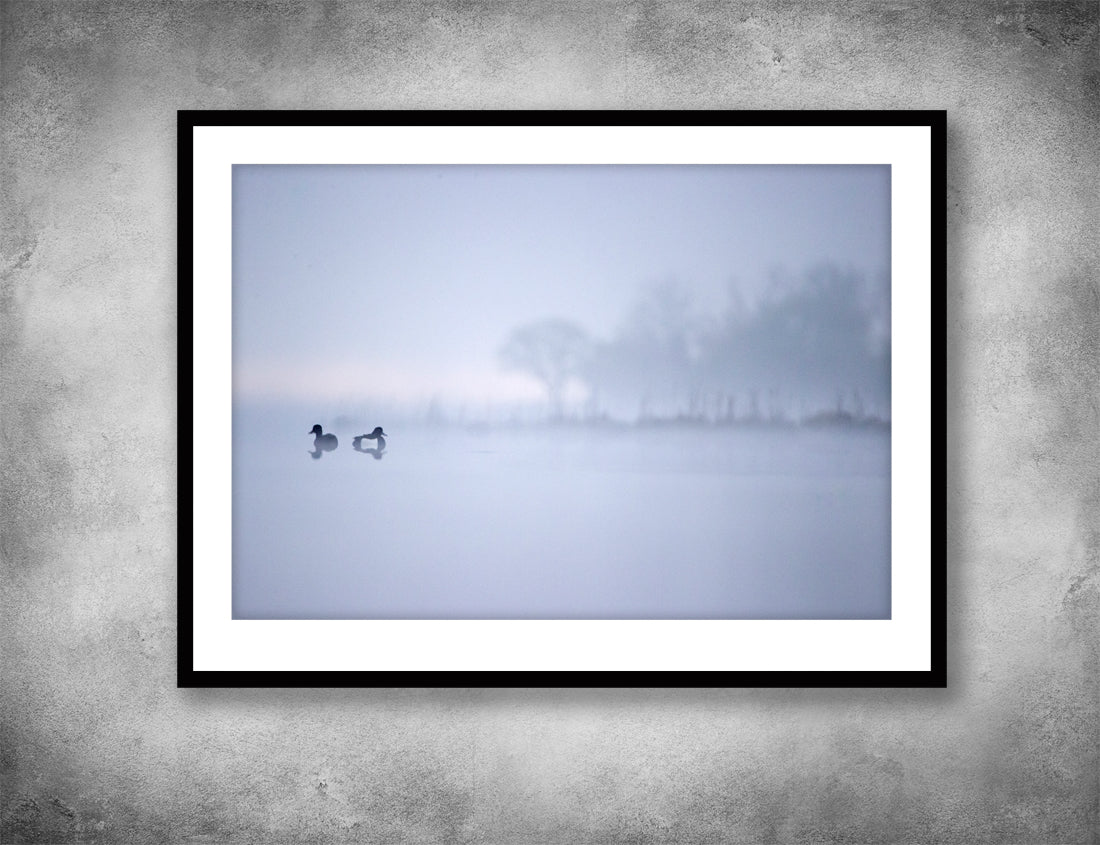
[(378, 435)]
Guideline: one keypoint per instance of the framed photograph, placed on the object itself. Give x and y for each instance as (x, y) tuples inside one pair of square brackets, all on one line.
[(561, 399)]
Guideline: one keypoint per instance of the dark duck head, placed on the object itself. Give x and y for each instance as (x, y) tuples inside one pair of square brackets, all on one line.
[(323, 442)]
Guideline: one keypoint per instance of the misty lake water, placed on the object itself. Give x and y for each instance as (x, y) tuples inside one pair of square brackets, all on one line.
[(565, 522)]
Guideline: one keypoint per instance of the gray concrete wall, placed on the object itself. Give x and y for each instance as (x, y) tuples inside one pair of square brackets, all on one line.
[(99, 745)]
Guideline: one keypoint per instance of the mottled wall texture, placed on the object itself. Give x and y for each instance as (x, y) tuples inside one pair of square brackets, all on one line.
[(100, 746)]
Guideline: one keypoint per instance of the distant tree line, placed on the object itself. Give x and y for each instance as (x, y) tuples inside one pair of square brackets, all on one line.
[(813, 347)]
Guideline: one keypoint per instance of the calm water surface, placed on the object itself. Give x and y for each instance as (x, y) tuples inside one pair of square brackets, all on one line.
[(560, 523)]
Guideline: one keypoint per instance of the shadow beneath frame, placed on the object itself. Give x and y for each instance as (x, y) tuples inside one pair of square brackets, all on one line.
[(952, 369)]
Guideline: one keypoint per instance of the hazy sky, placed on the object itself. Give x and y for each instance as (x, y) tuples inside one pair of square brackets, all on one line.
[(401, 282)]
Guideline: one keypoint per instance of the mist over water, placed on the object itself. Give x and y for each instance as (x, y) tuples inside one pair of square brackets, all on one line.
[(559, 522), (653, 392)]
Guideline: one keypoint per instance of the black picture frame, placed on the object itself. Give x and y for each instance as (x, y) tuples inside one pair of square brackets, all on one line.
[(189, 676)]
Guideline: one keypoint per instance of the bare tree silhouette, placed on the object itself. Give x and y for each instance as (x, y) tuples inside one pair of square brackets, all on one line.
[(552, 351), (810, 337), (651, 356)]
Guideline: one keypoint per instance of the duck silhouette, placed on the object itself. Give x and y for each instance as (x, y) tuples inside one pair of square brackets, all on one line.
[(379, 435), (322, 442)]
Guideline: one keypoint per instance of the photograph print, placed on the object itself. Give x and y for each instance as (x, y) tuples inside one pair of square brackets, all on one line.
[(538, 392)]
